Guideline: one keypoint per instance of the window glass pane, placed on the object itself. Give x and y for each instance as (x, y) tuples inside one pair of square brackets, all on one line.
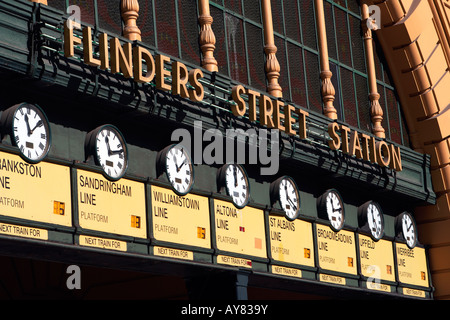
[(297, 75), (291, 17), (58, 4), (353, 6), (145, 22), (109, 18), (343, 41), (87, 10), (189, 31), (218, 26), (331, 37), (308, 23), (252, 10), (359, 59), (362, 93), (256, 59), (314, 82), (348, 97), (234, 5), (394, 119), (236, 49), (277, 16), (167, 27)]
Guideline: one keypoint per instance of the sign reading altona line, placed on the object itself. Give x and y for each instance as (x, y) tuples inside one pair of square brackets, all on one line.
[(111, 206), (39, 192), (239, 231), (180, 219)]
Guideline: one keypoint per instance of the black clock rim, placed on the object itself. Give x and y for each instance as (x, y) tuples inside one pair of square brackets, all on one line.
[(163, 160), (323, 210), (93, 150), (398, 224), (275, 195), (247, 198), (362, 215), (11, 112)]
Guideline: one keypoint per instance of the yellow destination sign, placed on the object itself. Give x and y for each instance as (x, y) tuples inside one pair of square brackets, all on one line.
[(239, 230), (180, 219), (336, 250), (111, 206), (110, 244), (38, 192), (411, 265), (377, 258), (291, 241)]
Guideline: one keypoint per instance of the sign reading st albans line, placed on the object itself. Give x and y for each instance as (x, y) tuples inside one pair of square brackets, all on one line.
[(39, 192), (111, 206)]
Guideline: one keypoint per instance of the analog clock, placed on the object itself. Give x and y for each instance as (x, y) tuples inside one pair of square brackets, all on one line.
[(176, 162), (331, 207), (29, 129), (406, 226), (371, 216), (285, 190), (235, 180), (107, 144)]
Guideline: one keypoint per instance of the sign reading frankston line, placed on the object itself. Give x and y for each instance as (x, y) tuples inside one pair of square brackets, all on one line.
[(39, 192), (111, 206), (239, 230), (180, 219)]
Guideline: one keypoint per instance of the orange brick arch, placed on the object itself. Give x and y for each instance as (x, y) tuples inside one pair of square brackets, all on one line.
[(414, 35)]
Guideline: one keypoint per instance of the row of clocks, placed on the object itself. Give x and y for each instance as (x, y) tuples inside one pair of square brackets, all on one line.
[(29, 130), (370, 217)]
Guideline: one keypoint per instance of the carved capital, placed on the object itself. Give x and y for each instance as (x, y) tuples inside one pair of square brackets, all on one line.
[(207, 41), (130, 13), (376, 113), (272, 71), (328, 95)]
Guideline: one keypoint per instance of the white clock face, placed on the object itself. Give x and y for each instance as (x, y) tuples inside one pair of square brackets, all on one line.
[(375, 221), (289, 198), (335, 210), (31, 132), (111, 152), (237, 185), (409, 230), (179, 169)]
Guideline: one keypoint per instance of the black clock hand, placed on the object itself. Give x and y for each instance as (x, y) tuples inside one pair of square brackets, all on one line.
[(292, 203), (28, 125), (107, 145), (181, 165), (116, 152), (38, 124), (235, 176)]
